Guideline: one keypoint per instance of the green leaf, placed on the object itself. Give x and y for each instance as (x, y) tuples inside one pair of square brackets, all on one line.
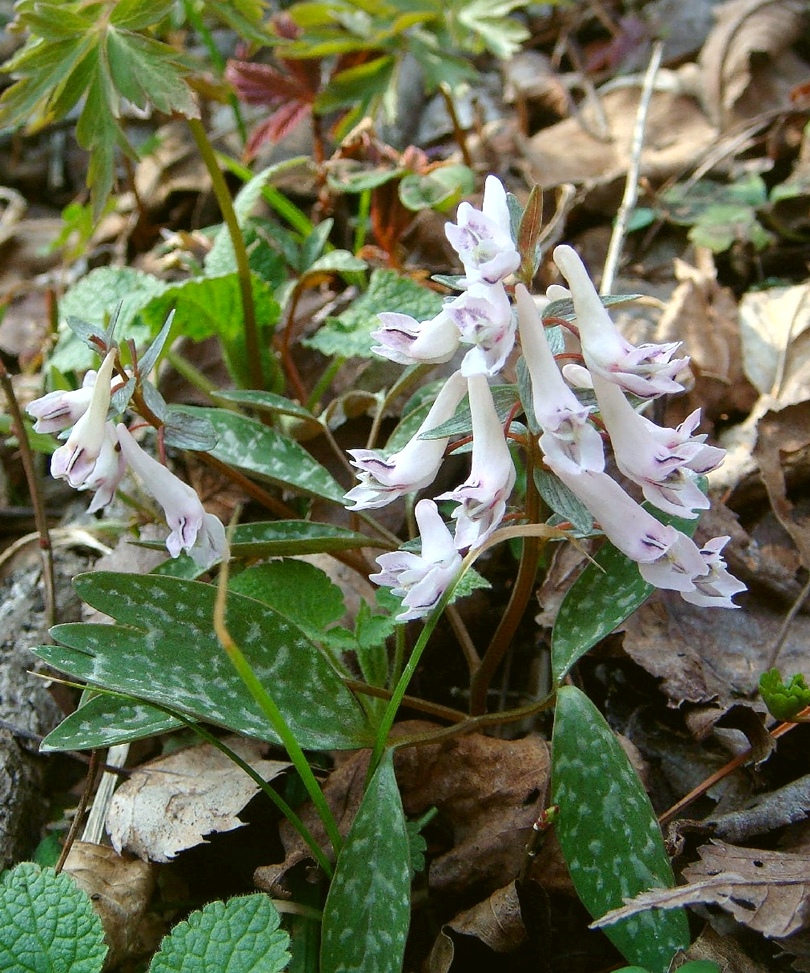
[(93, 299), (206, 306), (164, 650), (287, 537), (349, 334), (263, 452), (784, 699), (242, 935), (266, 402), (563, 501), (365, 919), (608, 832), (186, 431), (505, 398), (360, 84), (147, 71), (139, 14), (48, 923), (106, 720), (297, 590), (607, 592)]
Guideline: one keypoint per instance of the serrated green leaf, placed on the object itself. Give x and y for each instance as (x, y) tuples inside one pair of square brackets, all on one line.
[(164, 650), (297, 590), (93, 300), (367, 911), (106, 720), (607, 592), (242, 935), (139, 14), (360, 84), (206, 306), (146, 71), (608, 832), (287, 537), (263, 452), (48, 923), (349, 335), (784, 699)]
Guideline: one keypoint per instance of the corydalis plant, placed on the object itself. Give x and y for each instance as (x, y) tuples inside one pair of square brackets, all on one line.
[(665, 463)]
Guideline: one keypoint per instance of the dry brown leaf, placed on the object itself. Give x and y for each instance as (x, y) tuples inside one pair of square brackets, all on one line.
[(775, 332), (170, 803), (497, 922), (120, 890), (747, 64), (781, 807), (768, 891), (676, 134), (725, 951)]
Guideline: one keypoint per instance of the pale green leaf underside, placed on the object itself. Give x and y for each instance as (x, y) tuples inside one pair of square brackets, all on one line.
[(238, 936), (164, 650), (365, 919), (47, 923), (608, 832)]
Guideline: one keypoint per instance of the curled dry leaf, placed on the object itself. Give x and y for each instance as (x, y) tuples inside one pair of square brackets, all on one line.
[(767, 891), (169, 804), (775, 332), (747, 63), (120, 890)]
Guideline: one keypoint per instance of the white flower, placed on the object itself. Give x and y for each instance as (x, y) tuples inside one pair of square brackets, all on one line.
[(483, 316), (568, 438), (191, 528), (59, 410), (75, 460), (405, 340), (482, 497), (483, 238), (647, 370), (664, 462), (714, 590), (107, 472), (415, 465), (421, 578)]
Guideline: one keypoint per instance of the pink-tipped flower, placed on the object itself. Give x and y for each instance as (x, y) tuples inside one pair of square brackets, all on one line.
[(75, 459), (107, 472), (405, 340), (383, 479), (482, 497), (421, 578), (191, 529), (484, 319), (568, 438), (715, 589), (664, 462), (483, 238), (647, 370)]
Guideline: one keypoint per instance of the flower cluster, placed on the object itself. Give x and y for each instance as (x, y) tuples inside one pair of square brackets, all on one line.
[(97, 452), (664, 463)]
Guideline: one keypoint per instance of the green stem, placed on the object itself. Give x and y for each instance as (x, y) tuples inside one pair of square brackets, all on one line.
[(273, 714), (252, 344), (410, 377), (521, 593), (361, 229), (274, 198), (324, 382)]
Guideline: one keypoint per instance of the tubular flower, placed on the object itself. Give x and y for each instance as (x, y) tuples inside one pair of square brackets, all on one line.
[(59, 410), (647, 370), (482, 497), (414, 466), (107, 472), (75, 460), (483, 316), (714, 590), (191, 529), (568, 438), (421, 578), (405, 340), (483, 238), (664, 462)]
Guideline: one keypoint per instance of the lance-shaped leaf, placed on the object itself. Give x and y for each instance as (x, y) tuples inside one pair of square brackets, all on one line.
[(106, 720), (164, 650), (608, 832), (365, 919), (267, 454)]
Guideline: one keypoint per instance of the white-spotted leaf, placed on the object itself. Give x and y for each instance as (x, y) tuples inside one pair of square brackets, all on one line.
[(365, 919), (287, 537), (47, 923), (238, 936), (609, 834), (164, 650), (105, 721)]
